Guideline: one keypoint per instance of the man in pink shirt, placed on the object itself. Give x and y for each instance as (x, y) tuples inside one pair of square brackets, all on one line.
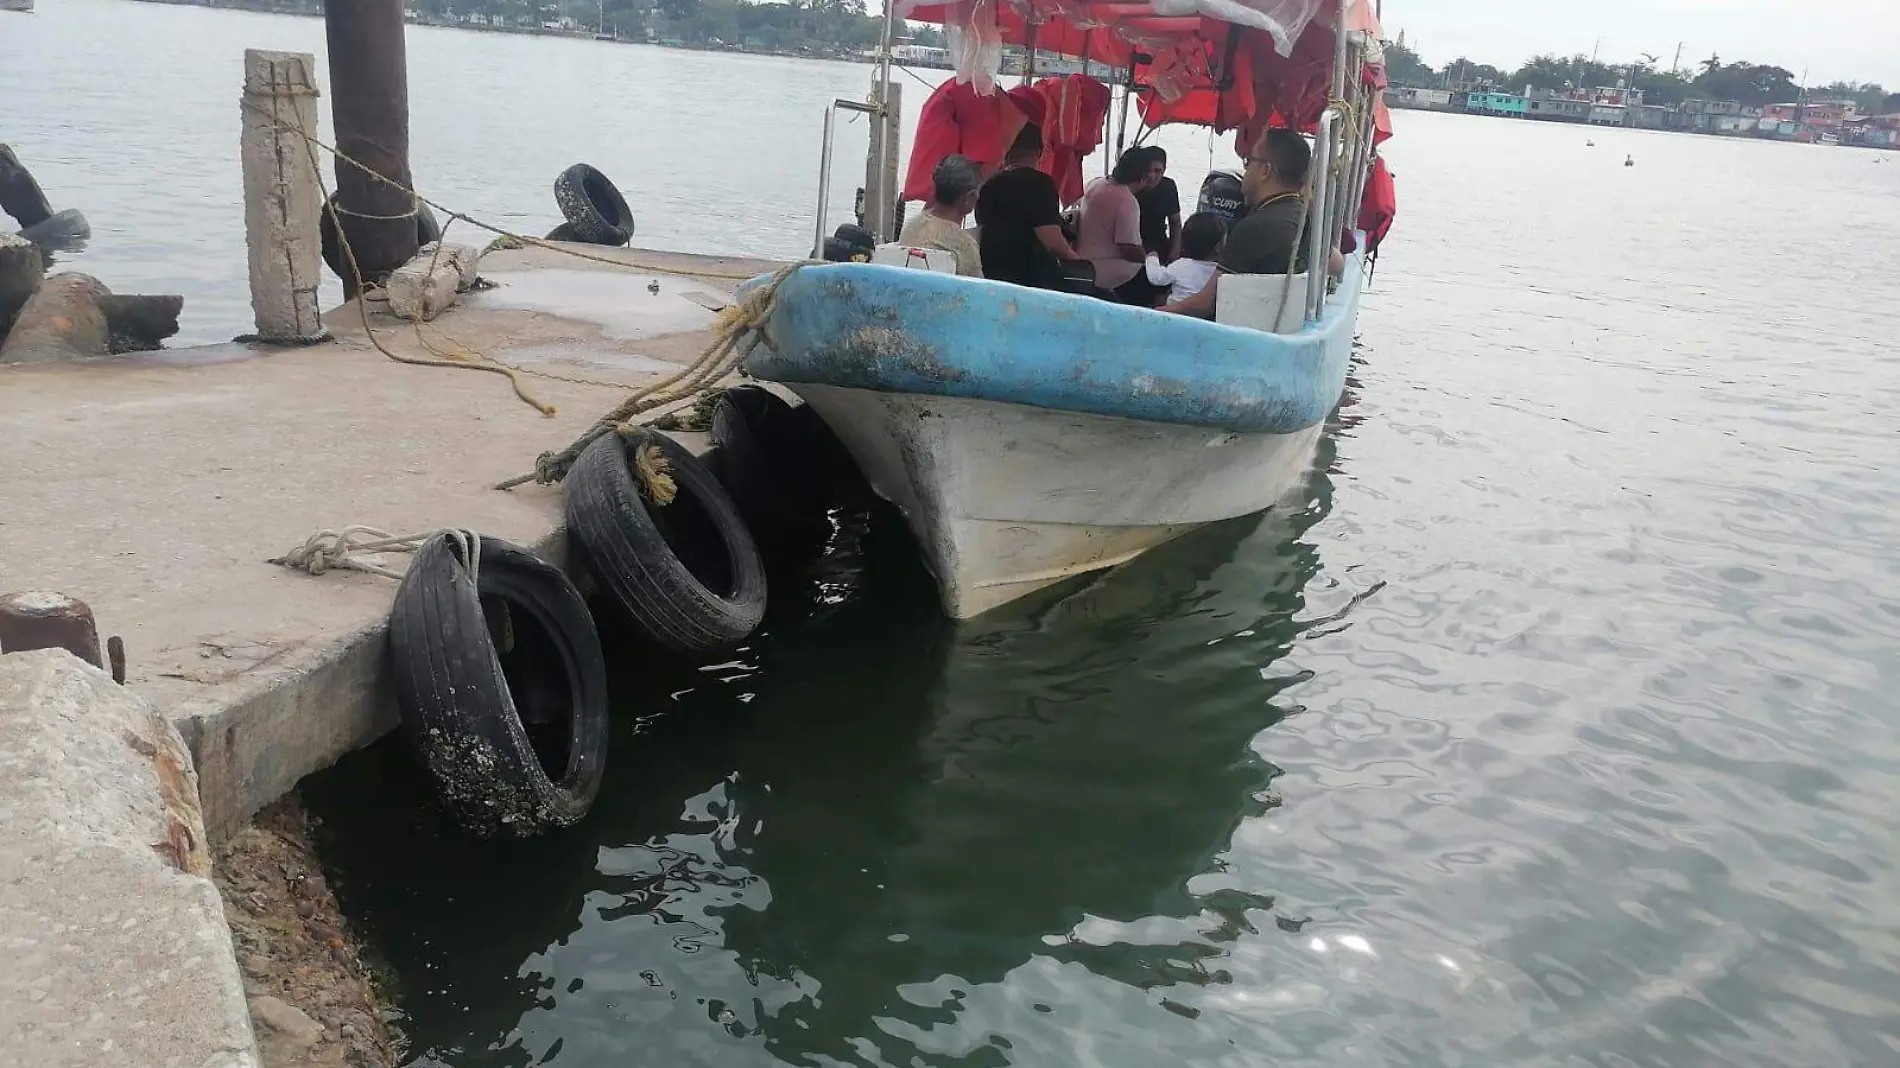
[(1109, 232)]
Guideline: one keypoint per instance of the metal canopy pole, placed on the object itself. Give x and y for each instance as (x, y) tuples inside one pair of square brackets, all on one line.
[(1319, 243), (824, 168)]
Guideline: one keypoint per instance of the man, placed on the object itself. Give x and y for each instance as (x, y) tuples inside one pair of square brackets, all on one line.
[(1160, 209), (1109, 233), (1019, 219), (940, 224), (1262, 241)]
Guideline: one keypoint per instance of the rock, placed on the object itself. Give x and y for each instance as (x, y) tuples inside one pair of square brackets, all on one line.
[(21, 266), (60, 321), (426, 286), (128, 951), (20, 195), (286, 1020), (61, 230), (139, 323)]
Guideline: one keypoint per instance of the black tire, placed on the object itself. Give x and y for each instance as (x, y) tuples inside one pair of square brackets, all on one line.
[(687, 572), (772, 459), (427, 231), (563, 232), (591, 204), (490, 722)]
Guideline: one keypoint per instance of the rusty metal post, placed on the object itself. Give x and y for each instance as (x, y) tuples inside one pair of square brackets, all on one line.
[(41, 619), (369, 104)]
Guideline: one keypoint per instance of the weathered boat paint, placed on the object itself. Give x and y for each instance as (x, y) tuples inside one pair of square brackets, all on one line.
[(1028, 437), (867, 326)]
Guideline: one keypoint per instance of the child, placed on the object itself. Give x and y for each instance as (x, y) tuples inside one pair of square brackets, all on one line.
[(1201, 238)]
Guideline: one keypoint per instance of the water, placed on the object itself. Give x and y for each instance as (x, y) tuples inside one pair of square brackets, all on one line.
[(1547, 731)]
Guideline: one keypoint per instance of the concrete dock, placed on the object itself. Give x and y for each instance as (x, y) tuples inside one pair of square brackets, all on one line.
[(157, 488)]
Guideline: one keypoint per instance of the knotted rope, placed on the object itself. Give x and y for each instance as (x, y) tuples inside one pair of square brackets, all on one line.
[(327, 549)]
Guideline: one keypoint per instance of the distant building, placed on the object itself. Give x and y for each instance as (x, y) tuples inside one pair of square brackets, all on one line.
[(1488, 102), (1418, 99), (1609, 115), (1648, 116)]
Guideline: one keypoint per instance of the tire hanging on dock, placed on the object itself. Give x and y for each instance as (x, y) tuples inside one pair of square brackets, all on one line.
[(667, 542), (502, 685), (593, 207)]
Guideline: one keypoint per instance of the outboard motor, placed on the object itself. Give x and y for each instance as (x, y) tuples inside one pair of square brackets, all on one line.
[(850, 244), (1220, 194)]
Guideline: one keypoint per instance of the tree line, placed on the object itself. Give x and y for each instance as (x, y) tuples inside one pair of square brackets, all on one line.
[(823, 27), (1753, 84)]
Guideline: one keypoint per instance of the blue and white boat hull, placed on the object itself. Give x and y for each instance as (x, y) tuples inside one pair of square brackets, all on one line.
[(1028, 437)]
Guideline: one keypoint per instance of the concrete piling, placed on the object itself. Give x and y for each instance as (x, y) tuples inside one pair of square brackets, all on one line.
[(41, 619), (281, 193)]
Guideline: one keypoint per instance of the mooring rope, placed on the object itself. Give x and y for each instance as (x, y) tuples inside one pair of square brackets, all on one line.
[(736, 323), (739, 330), (344, 549)]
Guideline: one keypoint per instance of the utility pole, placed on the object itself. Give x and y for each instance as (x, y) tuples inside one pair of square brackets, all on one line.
[(1676, 63), (369, 104)]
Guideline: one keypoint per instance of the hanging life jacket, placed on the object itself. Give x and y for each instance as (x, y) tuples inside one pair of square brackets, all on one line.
[(1379, 206)]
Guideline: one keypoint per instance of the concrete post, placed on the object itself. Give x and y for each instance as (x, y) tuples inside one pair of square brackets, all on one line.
[(281, 196)]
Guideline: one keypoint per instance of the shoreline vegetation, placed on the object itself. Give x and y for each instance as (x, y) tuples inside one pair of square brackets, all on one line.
[(804, 29), (1750, 84)]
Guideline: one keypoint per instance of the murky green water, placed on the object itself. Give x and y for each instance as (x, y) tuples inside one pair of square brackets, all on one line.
[(1554, 729)]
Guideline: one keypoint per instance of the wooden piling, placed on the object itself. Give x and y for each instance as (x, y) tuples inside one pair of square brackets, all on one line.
[(369, 104)]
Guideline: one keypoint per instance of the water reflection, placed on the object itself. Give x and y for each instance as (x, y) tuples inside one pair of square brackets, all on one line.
[(814, 851)]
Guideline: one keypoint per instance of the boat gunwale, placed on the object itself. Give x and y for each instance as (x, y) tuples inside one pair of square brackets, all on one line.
[(902, 330)]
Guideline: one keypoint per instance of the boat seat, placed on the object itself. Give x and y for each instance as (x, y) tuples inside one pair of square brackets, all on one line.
[(1255, 302), (924, 259)]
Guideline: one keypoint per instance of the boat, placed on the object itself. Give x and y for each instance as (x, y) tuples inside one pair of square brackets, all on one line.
[(23, 6), (1029, 436)]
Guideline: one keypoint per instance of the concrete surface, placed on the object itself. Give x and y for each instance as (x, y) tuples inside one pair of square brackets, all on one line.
[(155, 487), (281, 193), (113, 945)]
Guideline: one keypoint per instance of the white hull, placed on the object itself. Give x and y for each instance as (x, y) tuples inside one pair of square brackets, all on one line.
[(1006, 499)]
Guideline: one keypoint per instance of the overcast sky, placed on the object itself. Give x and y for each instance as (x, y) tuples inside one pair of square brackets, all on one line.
[(1849, 40)]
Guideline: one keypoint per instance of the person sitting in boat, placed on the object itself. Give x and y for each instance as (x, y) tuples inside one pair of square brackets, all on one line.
[(1160, 210), (1109, 234), (1263, 241), (940, 225), (1019, 219), (1201, 239)]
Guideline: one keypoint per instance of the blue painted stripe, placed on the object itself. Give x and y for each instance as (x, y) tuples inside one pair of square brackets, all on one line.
[(897, 330)]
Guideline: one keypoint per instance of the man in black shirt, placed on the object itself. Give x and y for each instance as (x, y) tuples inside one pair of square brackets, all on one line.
[(1160, 209), (1262, 241), (1019, 218)]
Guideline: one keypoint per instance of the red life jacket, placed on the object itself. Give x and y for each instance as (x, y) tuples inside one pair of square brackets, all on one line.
[(1379, 206)]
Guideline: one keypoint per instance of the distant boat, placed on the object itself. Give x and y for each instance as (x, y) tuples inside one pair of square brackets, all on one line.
[(24, 6), (1589, 144), (1629, 161)]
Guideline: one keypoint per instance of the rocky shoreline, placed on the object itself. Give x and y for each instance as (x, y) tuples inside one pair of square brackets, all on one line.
[(314, 1001)]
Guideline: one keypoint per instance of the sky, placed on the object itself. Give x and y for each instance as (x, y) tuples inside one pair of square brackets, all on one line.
[(1835, 40)]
